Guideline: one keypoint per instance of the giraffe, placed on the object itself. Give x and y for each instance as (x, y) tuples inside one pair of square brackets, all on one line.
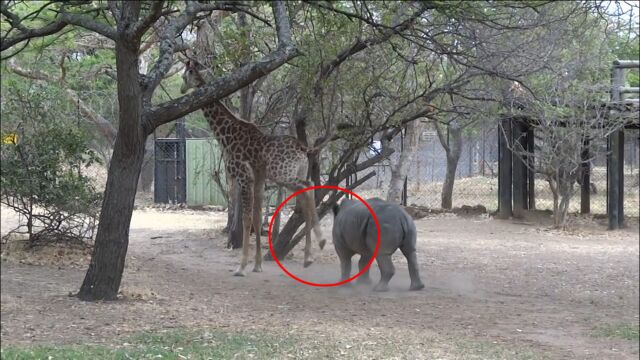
[(250, 158)]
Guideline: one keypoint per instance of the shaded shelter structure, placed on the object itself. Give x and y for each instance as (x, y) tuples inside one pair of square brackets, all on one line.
[(516, 180)]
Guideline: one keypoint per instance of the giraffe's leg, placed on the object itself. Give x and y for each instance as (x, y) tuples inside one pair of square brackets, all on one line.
[(308, 210), (309, 204), (308, 254), (246, 189), (257, 218), (294, 185), (315, 220)]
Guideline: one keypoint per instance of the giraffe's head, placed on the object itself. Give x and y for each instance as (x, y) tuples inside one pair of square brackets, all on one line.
[(191, 78)]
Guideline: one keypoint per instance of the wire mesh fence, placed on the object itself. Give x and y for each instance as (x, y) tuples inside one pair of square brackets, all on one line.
[(476, 179), (169, 169)]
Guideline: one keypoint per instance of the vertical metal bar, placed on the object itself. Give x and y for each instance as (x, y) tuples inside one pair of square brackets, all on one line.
[(404, 192), (531, 181), (181, 171), (525, 160), (615, 178), (484, 135), (519, 172), (161, 193), (621, 178), (505, 175), (607, 178), (585, 187), (156, 170)]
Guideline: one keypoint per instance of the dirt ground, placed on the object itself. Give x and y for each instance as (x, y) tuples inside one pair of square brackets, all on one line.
[(516, 284)]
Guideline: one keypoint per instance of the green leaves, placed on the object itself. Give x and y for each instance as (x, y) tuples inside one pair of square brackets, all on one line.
[(42, 175)]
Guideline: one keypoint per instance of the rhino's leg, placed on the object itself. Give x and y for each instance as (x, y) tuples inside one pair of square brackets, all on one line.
[(364, 260), (386, 272), (414, 274), (345, 256), (345, 268)]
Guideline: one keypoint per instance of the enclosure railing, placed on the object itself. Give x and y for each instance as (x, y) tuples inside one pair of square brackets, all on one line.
[(615, 142)]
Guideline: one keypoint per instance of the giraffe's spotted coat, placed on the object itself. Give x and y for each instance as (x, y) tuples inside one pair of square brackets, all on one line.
[(251, 157)]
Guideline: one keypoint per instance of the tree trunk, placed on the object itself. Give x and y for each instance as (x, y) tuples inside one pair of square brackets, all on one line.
[(103, 277), (282, 244), (447, 186), (553, 186), (401, 168), (452, 145), (565, 191), (275, 232)]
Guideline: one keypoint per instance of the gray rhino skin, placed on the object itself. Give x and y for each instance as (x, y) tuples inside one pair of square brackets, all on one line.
[(355, 232)]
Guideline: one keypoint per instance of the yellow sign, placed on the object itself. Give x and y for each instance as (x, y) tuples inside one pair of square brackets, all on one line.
[(10, 139)]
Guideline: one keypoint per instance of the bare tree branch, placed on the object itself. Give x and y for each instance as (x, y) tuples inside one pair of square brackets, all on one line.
[(144, 24), (229, 83), (88, 23), (283, 28), (360, 45), (30, 74), (63, 19), (49, 29), (104, 126), (168, 46)]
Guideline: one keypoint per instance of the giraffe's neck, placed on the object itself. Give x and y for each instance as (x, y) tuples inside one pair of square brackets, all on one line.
[(219, 119)]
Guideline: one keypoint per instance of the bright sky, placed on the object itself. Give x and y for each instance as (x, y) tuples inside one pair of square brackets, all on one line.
[(632, 7)]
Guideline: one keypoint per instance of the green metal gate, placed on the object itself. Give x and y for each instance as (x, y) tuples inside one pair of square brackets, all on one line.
[(203, 164)]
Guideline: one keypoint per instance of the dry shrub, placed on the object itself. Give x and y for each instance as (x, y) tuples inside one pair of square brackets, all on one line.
[(16, 249)]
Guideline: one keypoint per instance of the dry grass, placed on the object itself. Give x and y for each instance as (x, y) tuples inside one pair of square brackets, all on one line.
[(15, 249), (484, 191)]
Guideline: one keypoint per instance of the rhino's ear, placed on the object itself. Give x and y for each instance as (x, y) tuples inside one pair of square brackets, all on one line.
[(335, 209)]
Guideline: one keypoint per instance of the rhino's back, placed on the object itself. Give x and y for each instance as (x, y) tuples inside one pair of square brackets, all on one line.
[(388, 212), (396, 226)]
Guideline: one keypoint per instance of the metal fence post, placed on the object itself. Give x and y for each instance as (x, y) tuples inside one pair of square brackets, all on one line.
[(505, 190)]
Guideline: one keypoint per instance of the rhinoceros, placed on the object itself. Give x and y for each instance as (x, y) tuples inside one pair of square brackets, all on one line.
[(355, 232)]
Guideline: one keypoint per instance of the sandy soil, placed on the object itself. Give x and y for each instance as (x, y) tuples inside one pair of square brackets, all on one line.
[(511, 283)]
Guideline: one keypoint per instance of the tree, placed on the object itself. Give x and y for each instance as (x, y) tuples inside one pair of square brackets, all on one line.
[(566, 101), (43, 181), (449, 48), (452, 144), (438, 52), (400, 169), (569, 122), (138, 115)]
